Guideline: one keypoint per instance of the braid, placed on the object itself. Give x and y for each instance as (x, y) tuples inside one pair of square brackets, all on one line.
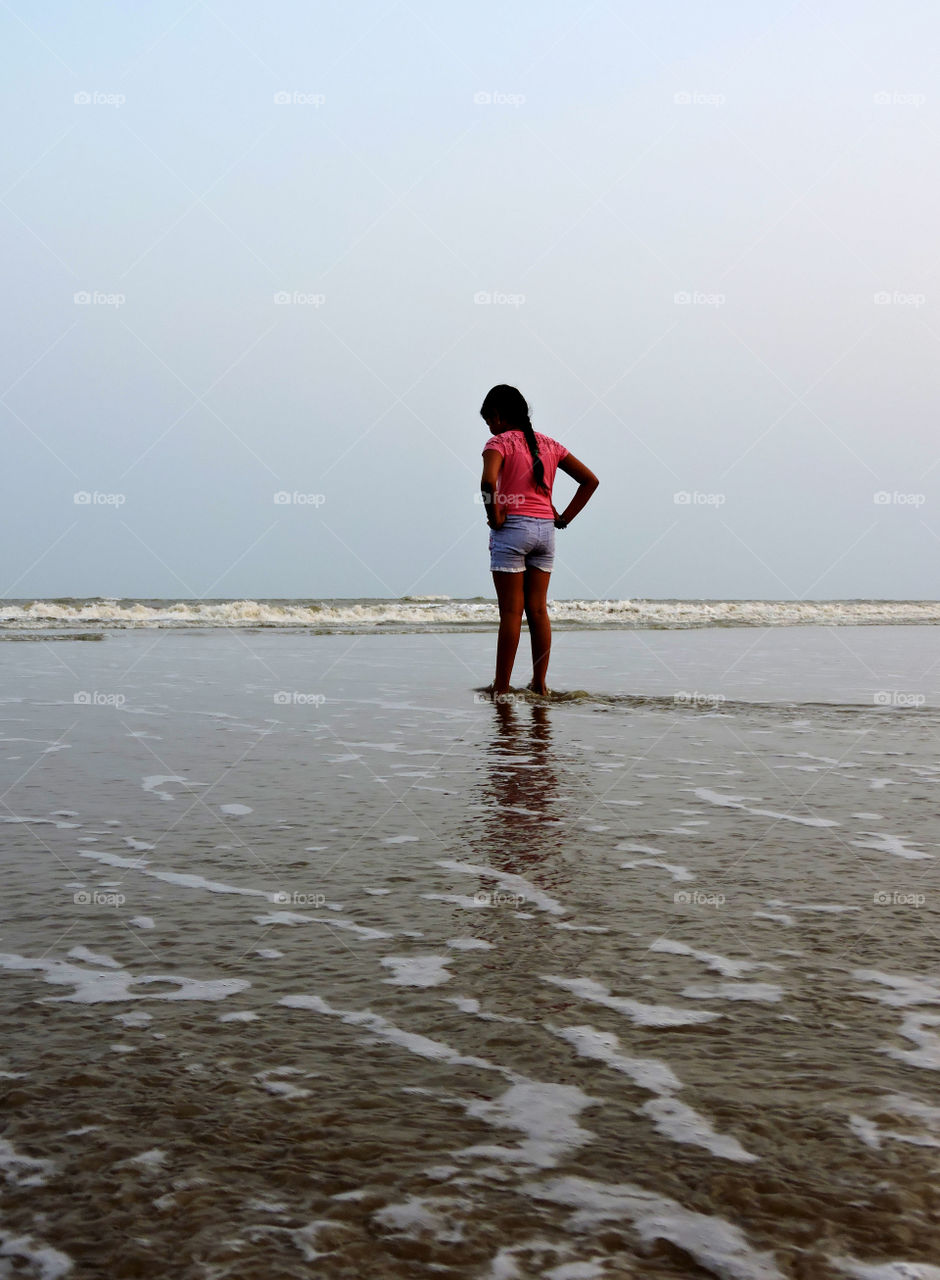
[(538, 468), (509, 404)]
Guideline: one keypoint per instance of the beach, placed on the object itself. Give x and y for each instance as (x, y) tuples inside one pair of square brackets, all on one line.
[(316, 962)]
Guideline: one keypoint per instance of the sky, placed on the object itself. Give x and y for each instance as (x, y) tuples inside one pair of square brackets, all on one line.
[(263, 263)]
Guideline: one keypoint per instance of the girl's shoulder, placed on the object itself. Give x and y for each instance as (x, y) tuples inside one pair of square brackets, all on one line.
[(551, 443)]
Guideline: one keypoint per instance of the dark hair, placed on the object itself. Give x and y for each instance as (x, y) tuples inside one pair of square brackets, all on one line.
[(509, 404)]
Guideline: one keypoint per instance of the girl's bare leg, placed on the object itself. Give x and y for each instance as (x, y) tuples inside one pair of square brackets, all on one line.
[(511, 596), (535, 592)]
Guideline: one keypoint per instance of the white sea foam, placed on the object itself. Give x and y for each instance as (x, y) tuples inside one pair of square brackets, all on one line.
[(887, 1270), (648, 1073), (737, 802), (418, 971), (885, 842), (511, 883), (420, 1214), (679, 1122), (450, 612), (720, 964), (382, 1029), (94, 957), (153, 782), (335, 922), (670, 1116), (715, 1244), (642, 1015), (20, 1170), (768, 992), (676, 870), (101, 986), (45, 1263), (915, 1028), (902, 990), (545, 1112)]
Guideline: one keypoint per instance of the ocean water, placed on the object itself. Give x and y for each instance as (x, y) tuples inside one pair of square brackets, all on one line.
[(312, 962), (448, 613)]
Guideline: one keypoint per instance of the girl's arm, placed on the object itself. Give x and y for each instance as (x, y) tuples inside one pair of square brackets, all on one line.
[(587, 483), (492, 464)]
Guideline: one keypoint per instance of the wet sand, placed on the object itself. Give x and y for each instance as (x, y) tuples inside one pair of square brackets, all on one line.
[(314, 963)]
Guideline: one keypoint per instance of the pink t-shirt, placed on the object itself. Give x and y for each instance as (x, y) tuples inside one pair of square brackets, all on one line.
[(515, 488)]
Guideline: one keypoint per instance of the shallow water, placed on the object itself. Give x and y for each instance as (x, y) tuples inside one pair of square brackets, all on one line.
[(312, 963)]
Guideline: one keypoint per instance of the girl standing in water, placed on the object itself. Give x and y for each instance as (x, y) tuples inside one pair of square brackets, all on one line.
[(519, 467)]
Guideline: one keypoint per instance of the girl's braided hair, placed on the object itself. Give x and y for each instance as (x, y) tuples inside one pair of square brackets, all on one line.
[(509, 405)]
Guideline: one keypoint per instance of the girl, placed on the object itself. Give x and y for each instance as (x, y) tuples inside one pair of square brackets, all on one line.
[(519, 467)]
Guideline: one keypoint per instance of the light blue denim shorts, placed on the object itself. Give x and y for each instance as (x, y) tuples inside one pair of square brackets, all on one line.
[(523, 542)]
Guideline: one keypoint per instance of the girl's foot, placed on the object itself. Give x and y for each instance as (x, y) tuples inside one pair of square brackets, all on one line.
[(541, 690)]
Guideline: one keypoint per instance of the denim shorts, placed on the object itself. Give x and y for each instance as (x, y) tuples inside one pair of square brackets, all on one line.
[(523, 542)]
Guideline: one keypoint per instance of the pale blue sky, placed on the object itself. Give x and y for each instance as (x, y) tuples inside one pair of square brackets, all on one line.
[(774, 162)]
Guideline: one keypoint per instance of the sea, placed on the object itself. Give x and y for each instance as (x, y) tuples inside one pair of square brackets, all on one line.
[(314, 961)]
